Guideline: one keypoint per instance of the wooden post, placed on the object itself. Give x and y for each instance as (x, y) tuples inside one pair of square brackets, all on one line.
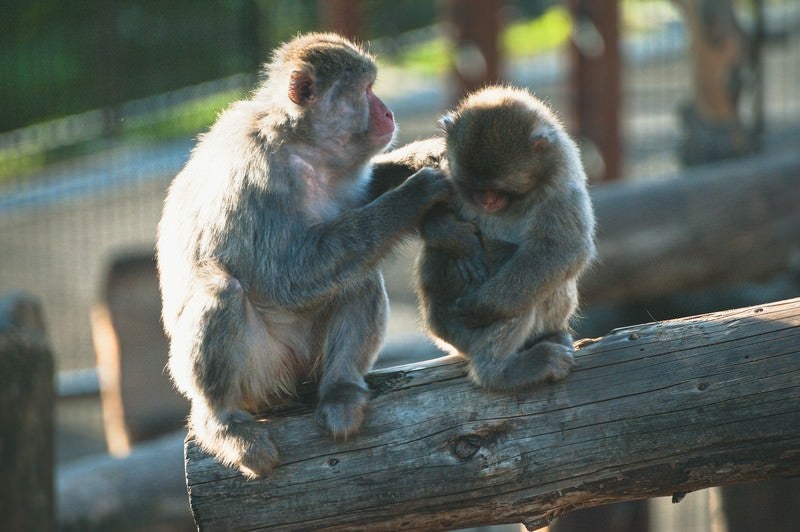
[(595, 86), (650, 410), (26, 417), (719, 55), (475, 27), (341, 16)]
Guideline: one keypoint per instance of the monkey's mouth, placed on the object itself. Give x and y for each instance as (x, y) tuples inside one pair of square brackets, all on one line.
[(490, 200)]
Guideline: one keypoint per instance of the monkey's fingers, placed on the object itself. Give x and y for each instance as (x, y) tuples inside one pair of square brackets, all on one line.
[(472, 269)]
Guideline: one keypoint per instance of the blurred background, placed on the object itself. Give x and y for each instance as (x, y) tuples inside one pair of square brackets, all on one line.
[(101, 102)]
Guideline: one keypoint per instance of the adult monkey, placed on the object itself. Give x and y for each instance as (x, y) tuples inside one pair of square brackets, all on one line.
[(268, 249)]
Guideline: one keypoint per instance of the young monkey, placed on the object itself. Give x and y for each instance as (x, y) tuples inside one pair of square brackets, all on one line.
[(497, 274)]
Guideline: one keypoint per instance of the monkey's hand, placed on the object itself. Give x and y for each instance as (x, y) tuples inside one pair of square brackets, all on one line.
[(429, 186)]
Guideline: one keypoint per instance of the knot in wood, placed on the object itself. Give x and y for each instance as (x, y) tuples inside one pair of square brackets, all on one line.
[(467, 445)]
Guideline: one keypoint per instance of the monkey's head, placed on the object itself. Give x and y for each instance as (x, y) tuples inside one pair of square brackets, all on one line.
[(502, 145), (324, 83)]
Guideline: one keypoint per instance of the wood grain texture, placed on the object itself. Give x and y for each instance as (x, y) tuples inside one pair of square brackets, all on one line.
[(650, 410)]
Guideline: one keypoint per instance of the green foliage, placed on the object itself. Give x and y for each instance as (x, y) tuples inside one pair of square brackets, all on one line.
[(519, 39), (544, 33), (180, 121)]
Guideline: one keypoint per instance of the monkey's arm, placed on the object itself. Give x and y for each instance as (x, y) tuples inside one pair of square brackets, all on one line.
[(395, 166), (559, 248), (443, 230), (311, 264)]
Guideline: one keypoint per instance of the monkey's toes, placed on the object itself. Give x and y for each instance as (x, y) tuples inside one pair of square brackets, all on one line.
[(341, 411), (258, 460), (560, 363)]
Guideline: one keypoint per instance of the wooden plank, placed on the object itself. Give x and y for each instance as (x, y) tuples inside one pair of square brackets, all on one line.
[(26, 417), (651, 410)]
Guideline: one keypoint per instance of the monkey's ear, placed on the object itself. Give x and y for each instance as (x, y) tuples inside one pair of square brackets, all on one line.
[(301, 87), (447, 122), (541, 138)]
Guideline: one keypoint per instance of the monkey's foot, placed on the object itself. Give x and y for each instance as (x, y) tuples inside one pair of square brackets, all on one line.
[(559, 363), (547, 360), (236, 440), (258, 459), (341, 409)]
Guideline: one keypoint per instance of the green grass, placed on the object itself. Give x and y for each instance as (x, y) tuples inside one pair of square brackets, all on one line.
[(547, 32)]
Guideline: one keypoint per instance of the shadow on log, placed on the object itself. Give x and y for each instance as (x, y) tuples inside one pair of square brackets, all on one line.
[(651, 410)]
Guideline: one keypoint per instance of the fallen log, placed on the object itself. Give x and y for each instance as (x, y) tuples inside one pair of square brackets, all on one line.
[(710, 226), (142, 491), (650, 410)]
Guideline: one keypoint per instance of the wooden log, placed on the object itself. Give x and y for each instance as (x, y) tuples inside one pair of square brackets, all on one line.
[(715, 225), (139, 402), (26, 417), (650, 410), (143, 491)]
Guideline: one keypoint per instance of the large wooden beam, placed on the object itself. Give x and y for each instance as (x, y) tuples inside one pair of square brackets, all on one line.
[(731, 222), (655, 409), (26, 416)]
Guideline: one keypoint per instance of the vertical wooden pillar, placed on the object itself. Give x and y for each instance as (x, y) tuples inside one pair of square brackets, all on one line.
[(712, 126), (475, 30), (341, 16), (26, 417), (595, 84)]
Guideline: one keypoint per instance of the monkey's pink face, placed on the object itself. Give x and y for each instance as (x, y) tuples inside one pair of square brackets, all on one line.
[(381, 119)]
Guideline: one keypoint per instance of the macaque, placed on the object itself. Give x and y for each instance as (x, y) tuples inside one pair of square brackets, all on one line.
[(497, 274), (268, 249)]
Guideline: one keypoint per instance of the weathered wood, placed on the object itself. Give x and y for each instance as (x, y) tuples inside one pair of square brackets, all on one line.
[(737, 221), (26, 417), (650, 410)]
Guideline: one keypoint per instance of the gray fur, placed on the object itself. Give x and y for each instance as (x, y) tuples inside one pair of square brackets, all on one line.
[(268, 249)]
